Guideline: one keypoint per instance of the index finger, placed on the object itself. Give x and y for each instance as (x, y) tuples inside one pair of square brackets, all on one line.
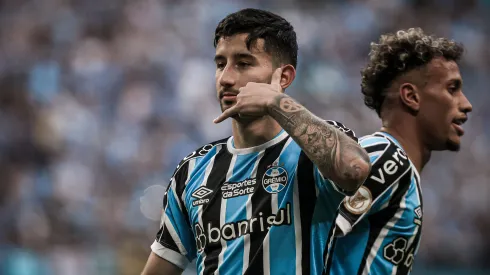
[(226, 114), (276, 77)]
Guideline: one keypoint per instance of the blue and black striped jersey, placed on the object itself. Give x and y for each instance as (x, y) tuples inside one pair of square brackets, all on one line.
[(259, 210), (378, 229)]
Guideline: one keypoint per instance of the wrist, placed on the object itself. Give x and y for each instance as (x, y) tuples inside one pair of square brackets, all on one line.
[(273, 103)]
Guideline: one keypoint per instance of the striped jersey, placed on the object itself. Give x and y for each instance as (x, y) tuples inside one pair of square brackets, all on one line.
[(260, 210), (378, 229)]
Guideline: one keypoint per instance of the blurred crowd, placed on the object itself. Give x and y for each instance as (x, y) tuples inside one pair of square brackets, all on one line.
[(100, 100)]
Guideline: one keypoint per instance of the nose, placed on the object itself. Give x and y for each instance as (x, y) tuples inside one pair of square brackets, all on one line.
[(465, 105), (228, 76)]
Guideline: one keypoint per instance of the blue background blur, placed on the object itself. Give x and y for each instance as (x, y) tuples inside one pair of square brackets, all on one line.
[(100, 99)]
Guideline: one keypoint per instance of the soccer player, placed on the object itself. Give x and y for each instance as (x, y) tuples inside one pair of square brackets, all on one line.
[(413, 82), (246, 204)]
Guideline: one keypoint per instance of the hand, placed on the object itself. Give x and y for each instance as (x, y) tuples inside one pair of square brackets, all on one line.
[(254, 99)]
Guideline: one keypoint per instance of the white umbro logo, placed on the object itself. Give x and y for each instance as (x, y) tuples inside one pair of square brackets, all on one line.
[(201, 192)]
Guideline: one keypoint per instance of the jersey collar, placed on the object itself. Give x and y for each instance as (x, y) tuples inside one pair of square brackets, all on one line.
[(243, 151)]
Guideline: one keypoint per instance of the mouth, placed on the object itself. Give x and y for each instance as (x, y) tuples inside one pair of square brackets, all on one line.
[(228, 97), (457, 124)]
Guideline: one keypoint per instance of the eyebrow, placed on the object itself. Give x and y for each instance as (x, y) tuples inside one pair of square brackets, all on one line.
[(235, 56)]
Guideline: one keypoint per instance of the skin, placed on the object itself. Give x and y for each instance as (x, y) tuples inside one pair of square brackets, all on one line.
[(250, 91), (337, 156), (427, 101)]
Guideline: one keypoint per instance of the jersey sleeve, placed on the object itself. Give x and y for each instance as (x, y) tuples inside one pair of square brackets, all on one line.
[(326, 183), (389, 163), (175, 241)]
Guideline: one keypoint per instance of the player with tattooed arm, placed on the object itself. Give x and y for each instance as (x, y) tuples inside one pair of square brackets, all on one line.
[(263, 200), (413, 82)]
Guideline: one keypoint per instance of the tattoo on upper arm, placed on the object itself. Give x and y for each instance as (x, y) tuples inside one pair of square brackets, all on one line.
[(335, 154)]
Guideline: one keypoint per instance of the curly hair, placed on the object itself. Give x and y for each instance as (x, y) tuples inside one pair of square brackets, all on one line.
[(396, 54)]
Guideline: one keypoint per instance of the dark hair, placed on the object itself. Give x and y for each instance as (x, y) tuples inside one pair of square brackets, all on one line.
[(398, 53), (278, 34)]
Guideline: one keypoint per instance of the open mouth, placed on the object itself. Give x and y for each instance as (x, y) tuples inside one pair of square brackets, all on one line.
[(457, 123)]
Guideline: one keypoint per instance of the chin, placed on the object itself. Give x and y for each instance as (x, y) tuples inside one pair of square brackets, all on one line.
[(453, 146), (225, 106)]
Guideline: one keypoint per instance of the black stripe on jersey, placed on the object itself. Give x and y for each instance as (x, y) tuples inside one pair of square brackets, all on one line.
[(165, 200), (180, 178), (402, 267), (180, 175), (328, 264), (163, 235), (344, 129), (261, 202), (211, 210), (167, 240), (376, 148), (378, 220), (307, 201), (385, 172), (182, 172)]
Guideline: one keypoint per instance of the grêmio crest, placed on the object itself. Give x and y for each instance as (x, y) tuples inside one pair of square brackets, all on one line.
[(275, 179)]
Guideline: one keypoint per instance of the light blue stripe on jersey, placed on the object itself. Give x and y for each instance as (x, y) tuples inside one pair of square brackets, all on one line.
[(233, 255), (281, 248), (392, 138), (177, 221), (353, 248), (385, 267), (327, 203), (371, 140)]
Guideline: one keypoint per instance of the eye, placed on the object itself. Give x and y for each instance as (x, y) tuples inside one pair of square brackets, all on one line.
[(242, 64), (453, 89), (220, 65)]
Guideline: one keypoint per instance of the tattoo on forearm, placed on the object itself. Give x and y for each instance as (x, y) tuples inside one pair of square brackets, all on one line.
[(337, 156)]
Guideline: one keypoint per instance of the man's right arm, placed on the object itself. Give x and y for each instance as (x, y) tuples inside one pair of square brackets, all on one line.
[(159, 266), (174, 246)]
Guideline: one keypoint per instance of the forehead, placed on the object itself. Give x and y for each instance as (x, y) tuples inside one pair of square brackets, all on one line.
[(231, 45), (443, 70)]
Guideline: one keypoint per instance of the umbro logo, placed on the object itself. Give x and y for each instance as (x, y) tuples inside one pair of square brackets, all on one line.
[(200, 193)]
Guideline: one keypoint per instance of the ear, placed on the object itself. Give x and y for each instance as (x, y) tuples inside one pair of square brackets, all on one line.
[(410, 97), (287, 76)]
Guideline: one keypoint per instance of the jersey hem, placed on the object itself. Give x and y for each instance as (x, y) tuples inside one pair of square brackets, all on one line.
[(169, 255)]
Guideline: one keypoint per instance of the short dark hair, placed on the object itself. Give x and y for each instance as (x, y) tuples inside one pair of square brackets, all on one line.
[(398, 53), (278, 34)]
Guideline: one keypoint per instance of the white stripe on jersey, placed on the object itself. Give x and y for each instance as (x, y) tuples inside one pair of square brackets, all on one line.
[(222, 215), (393, 190), (274, 209), (192, 165), (394, 270), (384, 232), (199, 210), (419, 196), (248, 206), (297, 226), (164, 215), (266, 261)]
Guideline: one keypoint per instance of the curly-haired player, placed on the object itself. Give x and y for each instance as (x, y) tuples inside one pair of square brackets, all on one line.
[(412, 81)]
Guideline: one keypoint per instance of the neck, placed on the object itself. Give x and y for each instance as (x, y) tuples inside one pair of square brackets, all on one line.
[(250, 133), (407, 135)]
